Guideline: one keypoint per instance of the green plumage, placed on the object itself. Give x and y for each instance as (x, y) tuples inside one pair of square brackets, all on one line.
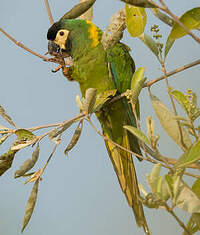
[(93, 67)]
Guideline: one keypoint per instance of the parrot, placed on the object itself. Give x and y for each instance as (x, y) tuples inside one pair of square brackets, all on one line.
[(104, 70)]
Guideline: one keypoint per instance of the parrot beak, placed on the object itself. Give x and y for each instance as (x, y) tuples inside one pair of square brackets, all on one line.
[(53, 48)]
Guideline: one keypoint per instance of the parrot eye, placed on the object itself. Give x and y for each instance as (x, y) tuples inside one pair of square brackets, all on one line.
[(61, 33)]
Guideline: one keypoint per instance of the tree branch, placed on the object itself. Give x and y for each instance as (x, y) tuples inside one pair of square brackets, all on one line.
[(180, 69), (22, 45), (49, 12)]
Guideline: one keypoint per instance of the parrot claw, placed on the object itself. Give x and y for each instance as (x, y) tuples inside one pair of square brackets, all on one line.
[(56, 69)]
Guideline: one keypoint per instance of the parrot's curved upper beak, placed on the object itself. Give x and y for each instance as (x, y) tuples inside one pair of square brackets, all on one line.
[(53, 48)]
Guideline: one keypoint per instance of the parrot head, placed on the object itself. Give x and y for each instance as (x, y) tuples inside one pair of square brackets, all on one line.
[(71, 35), (59, 40)]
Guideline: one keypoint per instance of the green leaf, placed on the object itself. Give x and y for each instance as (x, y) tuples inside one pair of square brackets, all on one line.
[(169, 181), (139, 3), (180, 98), (156, 183), (136, 19), (78, 10), (154, 177), (24, 139), (30, 204), (23, 134), (79, 103), (187, 200), (165, 192), (182, 195), (191, 19), (90, 99), (159, 185), (75, 137), (188, 102), (28, 164), (196, 187), (189, 157), (150, 43), (137, 77), (88, 15), (169, 124), (6, 161), (6, 116), (57, 131), (140, 135), (168, 46), (137, 84), (176, 188)]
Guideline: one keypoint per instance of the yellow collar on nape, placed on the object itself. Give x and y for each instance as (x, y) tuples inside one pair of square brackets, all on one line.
[(61, 38), (93, 33)]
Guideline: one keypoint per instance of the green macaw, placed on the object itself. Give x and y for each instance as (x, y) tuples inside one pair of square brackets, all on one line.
[(93, 67)]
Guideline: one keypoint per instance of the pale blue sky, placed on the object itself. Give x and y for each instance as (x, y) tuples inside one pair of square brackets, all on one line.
[(79, 195)]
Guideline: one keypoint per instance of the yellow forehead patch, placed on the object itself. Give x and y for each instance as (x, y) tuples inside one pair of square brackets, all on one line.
[(93, 31)]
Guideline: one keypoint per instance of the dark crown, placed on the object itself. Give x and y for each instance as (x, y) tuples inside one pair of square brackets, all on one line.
[(51, 34)]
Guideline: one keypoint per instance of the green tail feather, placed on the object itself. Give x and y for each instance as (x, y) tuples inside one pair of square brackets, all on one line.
[(112, 119)]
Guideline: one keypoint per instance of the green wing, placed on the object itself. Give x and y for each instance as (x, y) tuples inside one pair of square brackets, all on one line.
[(113, 118)]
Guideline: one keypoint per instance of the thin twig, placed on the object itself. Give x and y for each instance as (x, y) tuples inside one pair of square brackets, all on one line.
[(170, 210), (51, 155), (44, 126), (22, 45), (49, 12), (180, 69), (80, 115)]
